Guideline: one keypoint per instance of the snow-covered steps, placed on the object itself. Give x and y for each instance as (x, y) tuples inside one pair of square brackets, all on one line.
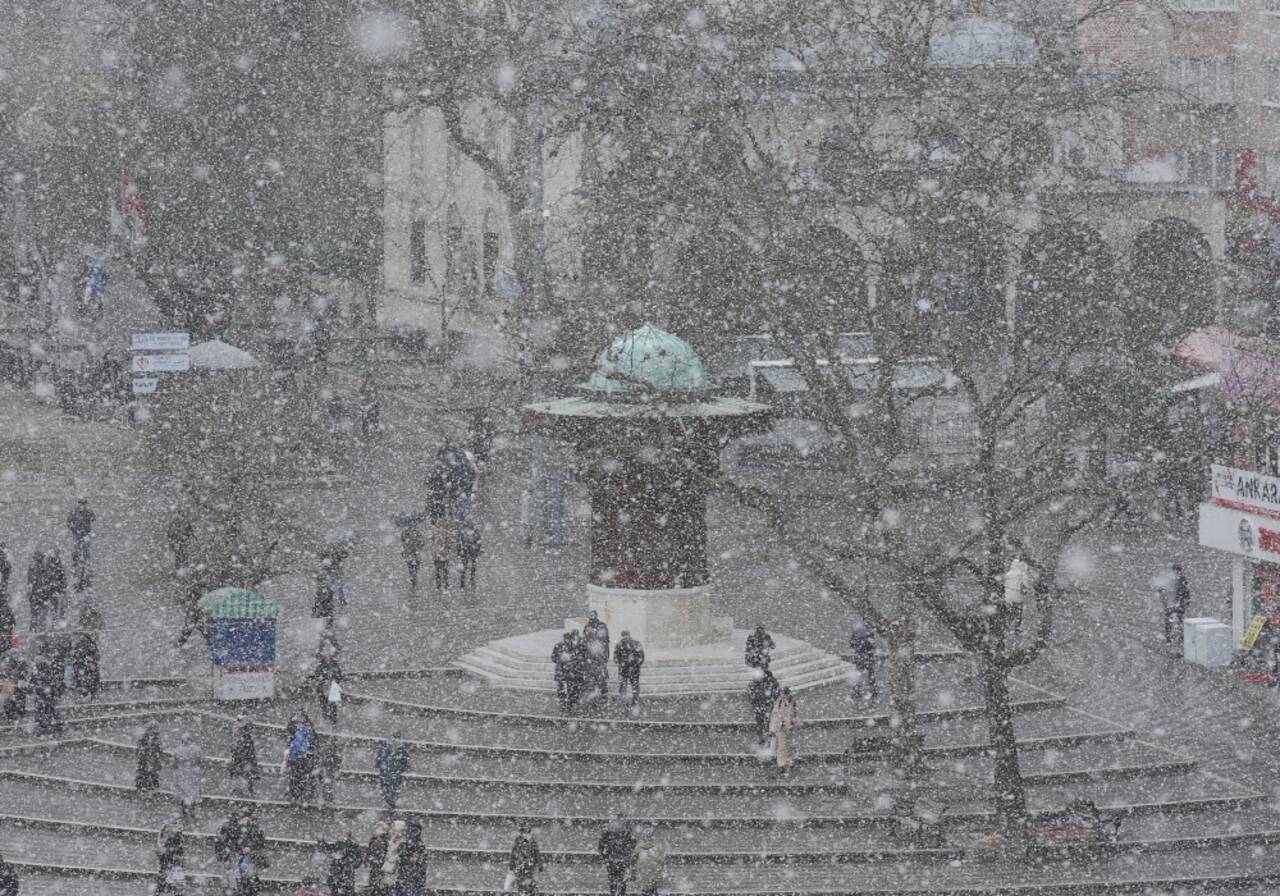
[(523, 663)]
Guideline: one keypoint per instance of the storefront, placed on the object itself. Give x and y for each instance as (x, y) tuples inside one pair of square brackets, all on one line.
[(1242, 518)]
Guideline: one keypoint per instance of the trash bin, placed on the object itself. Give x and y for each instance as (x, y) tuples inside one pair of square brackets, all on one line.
[(1216, 644), (242, 643), (1192, 643)]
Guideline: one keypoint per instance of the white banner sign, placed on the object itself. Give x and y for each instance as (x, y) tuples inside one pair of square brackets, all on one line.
[(1240, 533), (144, 385), (150, 342), (160, 363), (1245, 490)]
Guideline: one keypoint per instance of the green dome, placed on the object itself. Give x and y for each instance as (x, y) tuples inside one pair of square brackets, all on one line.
[(648, 359)]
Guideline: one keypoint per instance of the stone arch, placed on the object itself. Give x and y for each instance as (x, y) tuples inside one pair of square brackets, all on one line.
[(1170, 282), (1066, 286)]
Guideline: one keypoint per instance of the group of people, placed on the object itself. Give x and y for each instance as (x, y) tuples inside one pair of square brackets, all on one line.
[(777, 717), (581, 663), (641, 863), (448, 527)]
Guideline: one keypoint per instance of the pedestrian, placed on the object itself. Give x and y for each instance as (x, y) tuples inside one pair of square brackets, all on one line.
[(194, 618), (564, 659), (170, 855), (411, 864), (300, 759), (392, 762), (180, 533), (147, 776), (328, 765), (331, 596), (8, 878), (39, 597), (8, 620), (595, 639), (17, 675), (1175, 610), (80, 525), (783, 721), (628, 655), (244, 757), (762, 692), (86, 664), (864, 645), (759, 652), (188, 778), (468, 552), (617, 847), (525, 862), (526, 517), (326, 678), (375, 856), (412, 543), (345, 858), (650, 869), (47, 687), (226, 850), (441, 551)]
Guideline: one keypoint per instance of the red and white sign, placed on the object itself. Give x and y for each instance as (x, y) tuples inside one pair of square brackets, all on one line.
[(1245, 490), (1239, 532)]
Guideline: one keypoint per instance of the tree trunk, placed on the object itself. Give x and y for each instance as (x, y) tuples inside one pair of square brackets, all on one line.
[(902, 683), (1010, 793)]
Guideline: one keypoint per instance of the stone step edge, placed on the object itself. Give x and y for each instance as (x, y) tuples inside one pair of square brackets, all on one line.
[(736, 857), (1091, 887), (789, 656), (1039, 779), (719, 671), (691, 686), (1216, 803), (1033, 704)]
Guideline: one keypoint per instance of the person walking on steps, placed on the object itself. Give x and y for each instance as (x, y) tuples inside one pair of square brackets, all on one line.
[(8, 879), (392, 761), (80, 525), (442, 548), (188, 778), (300, 759), (865, 647), (564, 659), (331, 592), (762, 693), (244, 757), (412, 543), (326, 678), (617, 848), (650, 869), (760, 646), (147, 777), (170, 856), (628, 655), (468, 552), (525, 864), (345, 858), (783, 722), (595, 637)]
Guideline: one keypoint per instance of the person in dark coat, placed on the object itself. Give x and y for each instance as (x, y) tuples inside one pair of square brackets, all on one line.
[(326, 674), (564, 657), (375, 856), (170, 855), (628, 655), (86, 663), (244, 756), (328, 765), (147, 777), (760, 647), (762, 692), (80, 525), (442, 548), (330, 590), (525, 862), (345, 858), (468, 552), (864, 646), (180, 533), (392, 762), (301, 760), (617, 847), (413, 541), (595, 638), (226, 844), (1176, 609), (7, 623), (39, 600), (8, 879), (411, 868), (48, 685)]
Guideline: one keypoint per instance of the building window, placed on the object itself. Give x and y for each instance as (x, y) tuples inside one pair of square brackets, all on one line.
[(1207, 5), (1209, 80), (1271, 82), (489, 258), (418, 252), (1214, 168)]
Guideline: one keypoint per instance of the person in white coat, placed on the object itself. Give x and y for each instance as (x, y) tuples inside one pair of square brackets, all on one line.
[(187, 776), (783, 722)]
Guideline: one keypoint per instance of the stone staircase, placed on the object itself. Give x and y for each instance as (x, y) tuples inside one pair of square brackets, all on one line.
[(523, 663)]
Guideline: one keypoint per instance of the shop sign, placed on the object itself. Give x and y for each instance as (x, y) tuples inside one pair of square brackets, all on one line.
[(1245, 490), (1255, 629), (1241, 533)]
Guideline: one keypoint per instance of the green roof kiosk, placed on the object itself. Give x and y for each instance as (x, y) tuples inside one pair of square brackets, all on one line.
[(242, 643)]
